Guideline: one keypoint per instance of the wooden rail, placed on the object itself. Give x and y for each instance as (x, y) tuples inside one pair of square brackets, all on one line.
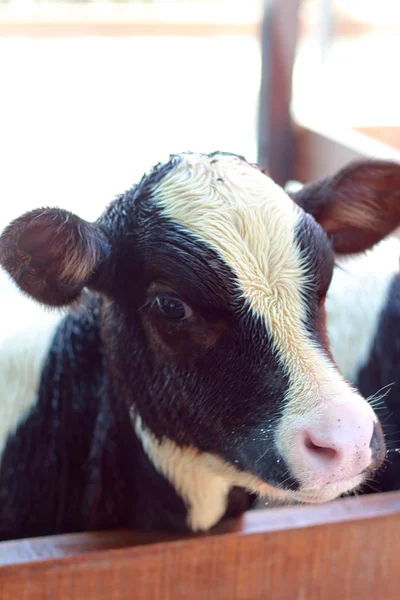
[(275, 134), (321, 150), (344, 550), (62, 19)]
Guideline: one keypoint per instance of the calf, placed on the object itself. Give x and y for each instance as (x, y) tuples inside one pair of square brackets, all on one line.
[(363, 323), (192, 370)]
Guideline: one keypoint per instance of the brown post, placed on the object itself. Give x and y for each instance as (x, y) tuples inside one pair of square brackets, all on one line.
[(279, 36)]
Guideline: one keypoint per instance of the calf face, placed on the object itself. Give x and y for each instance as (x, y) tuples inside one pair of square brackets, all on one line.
[(213, 283)]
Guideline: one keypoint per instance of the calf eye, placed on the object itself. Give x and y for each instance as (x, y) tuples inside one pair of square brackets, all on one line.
[(172, 308)]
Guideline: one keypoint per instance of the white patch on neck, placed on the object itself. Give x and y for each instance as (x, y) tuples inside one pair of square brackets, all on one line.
[(356, 297), (26, 331), (204, 493)]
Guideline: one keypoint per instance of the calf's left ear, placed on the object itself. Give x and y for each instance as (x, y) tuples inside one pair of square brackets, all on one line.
[(358, 206), (53, 254)]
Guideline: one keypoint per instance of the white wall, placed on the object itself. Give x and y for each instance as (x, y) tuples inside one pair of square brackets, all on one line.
[(81, 119)]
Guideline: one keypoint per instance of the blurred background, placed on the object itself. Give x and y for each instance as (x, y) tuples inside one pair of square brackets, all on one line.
[(93, 93)]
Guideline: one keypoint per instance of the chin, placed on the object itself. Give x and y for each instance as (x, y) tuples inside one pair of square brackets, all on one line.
[(330, 491), (309, 494)]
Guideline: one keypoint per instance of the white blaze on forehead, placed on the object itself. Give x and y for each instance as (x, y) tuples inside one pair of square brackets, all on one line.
[(250, 222), (241, 213)]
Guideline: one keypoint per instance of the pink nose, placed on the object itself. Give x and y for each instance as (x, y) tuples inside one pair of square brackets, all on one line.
[(343, 445)]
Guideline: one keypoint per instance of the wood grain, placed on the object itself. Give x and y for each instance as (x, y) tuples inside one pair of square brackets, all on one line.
[(344, 550)]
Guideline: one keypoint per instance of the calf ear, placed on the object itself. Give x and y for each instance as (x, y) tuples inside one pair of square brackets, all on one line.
[(52, 254), (357, 207)]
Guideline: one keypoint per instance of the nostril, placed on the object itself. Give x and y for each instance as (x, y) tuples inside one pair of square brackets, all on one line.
[(319, 449)]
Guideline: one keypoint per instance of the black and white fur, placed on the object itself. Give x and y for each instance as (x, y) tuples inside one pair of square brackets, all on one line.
[(192, 370)]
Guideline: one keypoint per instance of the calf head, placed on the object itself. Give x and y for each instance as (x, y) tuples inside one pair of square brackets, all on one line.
[(213, 283)]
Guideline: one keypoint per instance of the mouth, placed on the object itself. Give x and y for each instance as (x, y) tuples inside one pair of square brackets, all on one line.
[(311, 494)]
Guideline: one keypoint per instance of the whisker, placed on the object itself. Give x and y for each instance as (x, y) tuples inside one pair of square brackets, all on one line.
[(372, 487), (263, 454), (378, 397)]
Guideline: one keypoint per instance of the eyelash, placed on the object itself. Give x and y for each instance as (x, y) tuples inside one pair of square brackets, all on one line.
[(156, 303)]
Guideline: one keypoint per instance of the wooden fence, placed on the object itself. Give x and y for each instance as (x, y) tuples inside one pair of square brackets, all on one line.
[(345, 550)]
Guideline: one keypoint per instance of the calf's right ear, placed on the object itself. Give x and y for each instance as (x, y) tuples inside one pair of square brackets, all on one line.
[(53, 254)]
